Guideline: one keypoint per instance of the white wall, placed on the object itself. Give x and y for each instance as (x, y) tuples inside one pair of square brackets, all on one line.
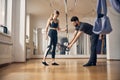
[(39, 41), (18, 30), (113, 40), (2, 12), (28, 26), (29, 33)]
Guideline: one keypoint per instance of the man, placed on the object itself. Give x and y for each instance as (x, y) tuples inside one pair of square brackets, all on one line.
[(81, 27)]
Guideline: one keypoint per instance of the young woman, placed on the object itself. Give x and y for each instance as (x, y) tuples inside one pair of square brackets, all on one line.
[(53, 25)]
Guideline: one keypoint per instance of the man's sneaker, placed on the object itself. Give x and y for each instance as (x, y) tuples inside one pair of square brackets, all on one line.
[(89, 64), (44, 63), (55, 63)]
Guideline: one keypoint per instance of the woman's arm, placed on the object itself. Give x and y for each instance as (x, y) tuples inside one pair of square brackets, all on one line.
[(61, 29), (46, 28)]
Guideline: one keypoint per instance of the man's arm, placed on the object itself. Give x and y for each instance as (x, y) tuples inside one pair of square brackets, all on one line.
[(74, 34), (75, 39)]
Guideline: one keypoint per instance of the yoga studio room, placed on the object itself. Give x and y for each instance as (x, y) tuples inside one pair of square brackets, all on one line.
[(59, 39)]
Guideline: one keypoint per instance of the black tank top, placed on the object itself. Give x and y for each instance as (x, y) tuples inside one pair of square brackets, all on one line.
[(54, 25)]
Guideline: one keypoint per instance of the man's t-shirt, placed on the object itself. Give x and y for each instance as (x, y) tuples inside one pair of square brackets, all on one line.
[(85, 27)]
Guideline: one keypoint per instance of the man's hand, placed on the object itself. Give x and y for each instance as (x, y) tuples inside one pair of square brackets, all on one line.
[(75, 39), (69, 46)]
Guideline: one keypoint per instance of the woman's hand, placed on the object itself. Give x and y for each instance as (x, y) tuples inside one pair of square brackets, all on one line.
[(62, 29), (46, 37), (65, 29)]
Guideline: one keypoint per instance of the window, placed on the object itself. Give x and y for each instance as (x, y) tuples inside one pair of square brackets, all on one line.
[(3, 8)]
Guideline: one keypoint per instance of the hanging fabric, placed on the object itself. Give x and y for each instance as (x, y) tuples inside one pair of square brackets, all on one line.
[(116, 5), (67, 36), (66, 14), (102, 23), (52, 7)]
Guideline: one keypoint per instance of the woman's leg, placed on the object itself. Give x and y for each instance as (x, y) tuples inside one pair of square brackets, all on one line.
[(48, 49), (54, 50), (53, 55)]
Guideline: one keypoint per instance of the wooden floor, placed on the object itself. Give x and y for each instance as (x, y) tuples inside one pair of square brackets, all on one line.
[(69, 69)]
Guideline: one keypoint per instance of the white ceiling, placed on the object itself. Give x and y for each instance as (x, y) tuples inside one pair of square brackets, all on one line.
[(42, 8)]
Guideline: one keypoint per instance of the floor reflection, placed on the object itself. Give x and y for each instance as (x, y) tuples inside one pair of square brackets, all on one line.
[(69, 69)]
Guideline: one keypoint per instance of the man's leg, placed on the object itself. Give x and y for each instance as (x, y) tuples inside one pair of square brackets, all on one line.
[(93, 56)]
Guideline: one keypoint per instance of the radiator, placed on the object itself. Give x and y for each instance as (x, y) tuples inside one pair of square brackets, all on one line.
[(5, 48)]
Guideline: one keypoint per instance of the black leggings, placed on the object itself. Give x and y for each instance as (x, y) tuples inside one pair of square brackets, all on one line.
[(51, 43)]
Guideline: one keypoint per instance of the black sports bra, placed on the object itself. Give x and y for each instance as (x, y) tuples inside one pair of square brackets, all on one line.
[(54, 25)]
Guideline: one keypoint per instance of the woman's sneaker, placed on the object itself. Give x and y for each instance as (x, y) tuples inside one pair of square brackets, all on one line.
[(44, 63)]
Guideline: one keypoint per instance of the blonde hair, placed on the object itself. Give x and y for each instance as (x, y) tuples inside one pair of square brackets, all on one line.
[(55, 12), (51, 16)]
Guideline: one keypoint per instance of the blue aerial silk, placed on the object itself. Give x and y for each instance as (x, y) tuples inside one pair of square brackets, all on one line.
[(102, 23), (116, 5)]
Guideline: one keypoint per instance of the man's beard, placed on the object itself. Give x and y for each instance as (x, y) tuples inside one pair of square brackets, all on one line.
[(76, 25)]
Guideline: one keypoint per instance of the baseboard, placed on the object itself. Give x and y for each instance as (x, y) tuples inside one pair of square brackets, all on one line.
[(69, 56), (4, 65), (113, 59)]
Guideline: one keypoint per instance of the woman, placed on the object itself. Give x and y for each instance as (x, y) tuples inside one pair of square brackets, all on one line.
[(53, 23)]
